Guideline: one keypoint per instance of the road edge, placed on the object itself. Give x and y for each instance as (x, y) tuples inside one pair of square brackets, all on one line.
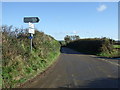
[(40, 75)]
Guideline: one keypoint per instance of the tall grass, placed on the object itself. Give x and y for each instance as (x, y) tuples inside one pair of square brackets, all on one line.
[(19, 64)]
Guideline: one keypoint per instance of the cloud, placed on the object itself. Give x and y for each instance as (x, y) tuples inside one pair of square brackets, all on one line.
[(67, 32), (101, 8), (74, 32)]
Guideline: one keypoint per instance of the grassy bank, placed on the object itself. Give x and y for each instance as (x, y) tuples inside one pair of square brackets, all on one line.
[(19, 64), (115, 53)]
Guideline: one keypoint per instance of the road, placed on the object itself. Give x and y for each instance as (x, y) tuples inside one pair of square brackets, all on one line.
[(76, 70)]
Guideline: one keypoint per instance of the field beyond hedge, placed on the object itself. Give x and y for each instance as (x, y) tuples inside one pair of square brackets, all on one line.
[(116, 46), (19, 64)]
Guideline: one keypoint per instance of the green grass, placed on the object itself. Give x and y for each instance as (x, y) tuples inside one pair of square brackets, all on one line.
[(19, 65), (113, 54), (0, 77), (116, 46), (34, 66)]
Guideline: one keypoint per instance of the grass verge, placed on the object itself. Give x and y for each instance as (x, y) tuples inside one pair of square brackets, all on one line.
[(114, 54)]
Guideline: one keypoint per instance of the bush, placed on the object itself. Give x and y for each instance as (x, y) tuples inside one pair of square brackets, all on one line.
[(19, 64), (92, 46)]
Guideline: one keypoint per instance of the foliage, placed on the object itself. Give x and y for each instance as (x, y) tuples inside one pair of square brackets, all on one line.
[(19, 64), (62, 43), (68, 38), (98, 46)]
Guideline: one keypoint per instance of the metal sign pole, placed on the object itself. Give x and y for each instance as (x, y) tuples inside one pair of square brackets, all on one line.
[(31, 42), (31, 31)]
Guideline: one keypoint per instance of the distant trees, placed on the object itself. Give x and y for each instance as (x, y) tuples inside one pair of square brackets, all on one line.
[(13, 31), (68, 38)]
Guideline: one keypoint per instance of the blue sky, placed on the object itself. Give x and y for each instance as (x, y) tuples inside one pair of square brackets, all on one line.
[(58, 19)]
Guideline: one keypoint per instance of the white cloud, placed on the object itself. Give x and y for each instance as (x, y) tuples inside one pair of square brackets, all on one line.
[(74, 32), (101, 8), (67, 32)]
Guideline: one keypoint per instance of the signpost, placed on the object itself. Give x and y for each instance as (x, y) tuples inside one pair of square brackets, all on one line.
[(31, 20), (31, 28)]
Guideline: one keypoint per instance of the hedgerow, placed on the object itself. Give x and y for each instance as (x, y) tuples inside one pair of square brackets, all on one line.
[(18, 63)]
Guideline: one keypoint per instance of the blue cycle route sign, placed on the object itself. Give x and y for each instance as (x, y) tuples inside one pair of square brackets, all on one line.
[(30, 37)]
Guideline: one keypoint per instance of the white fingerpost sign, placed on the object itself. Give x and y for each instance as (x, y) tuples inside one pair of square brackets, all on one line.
[(31, 28)]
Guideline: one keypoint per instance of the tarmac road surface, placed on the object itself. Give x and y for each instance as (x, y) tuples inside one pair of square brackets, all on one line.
[(76, 70)]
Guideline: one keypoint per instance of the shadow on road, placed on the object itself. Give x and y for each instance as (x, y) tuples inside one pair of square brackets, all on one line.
[(69, 51), (99, 83), (108, 58)]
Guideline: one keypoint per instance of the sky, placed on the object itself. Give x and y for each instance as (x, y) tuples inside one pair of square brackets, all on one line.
[(60, 0), (58, 19)]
